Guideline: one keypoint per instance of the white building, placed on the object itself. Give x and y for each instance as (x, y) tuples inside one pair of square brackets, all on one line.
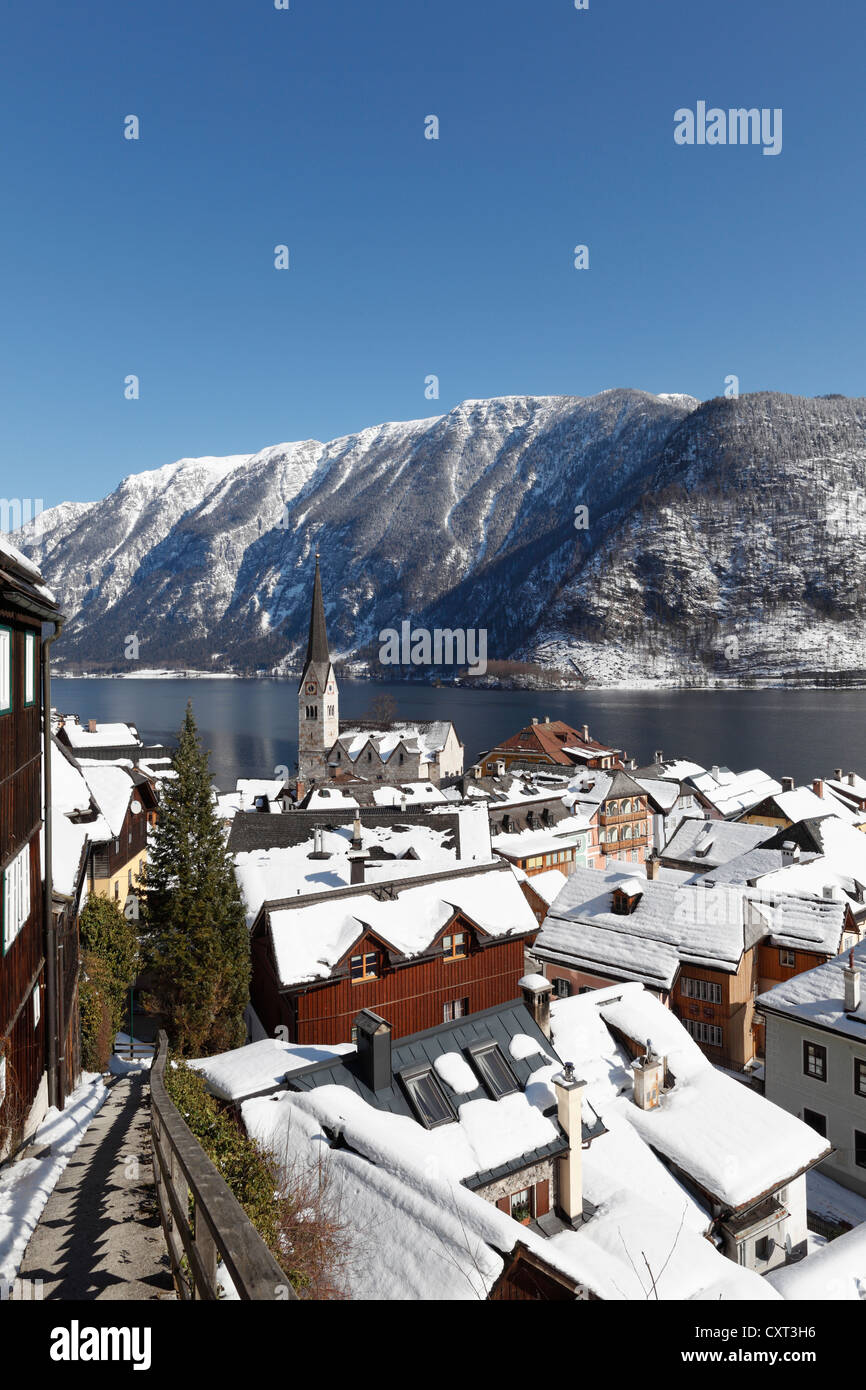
[(816, 1058)]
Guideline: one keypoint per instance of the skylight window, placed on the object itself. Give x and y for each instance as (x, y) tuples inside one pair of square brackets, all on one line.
[(494, 1070), (426, 1096)]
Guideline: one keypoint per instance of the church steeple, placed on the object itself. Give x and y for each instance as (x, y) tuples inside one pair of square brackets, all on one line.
[(318, 707), (317, 642)]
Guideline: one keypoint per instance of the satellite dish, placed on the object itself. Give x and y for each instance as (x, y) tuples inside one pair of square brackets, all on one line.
[(135, 807)]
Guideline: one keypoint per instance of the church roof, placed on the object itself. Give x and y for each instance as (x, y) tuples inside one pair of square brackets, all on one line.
[(317, 641)]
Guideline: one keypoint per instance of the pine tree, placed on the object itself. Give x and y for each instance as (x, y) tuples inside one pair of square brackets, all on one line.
[(196, 935)]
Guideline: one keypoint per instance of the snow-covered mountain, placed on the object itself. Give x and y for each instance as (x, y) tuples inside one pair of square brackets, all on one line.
[(719, 540)]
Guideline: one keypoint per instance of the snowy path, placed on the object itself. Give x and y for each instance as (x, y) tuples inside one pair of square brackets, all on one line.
[(99, 1235)]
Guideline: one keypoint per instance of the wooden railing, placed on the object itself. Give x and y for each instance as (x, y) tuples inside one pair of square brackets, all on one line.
[(189, 1186)]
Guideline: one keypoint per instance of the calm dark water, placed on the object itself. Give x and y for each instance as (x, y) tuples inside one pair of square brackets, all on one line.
[(250, 727)]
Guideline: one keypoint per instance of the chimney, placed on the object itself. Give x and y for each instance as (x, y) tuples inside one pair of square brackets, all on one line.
[(500, 768), (658, 756), (547, 719), (536, 993), (852, 985), (569, 1112), (357, 860), (300, 789), (837, 774), (652, 868), (356, 831), (585, 733), (790, 852), (648, 1072), (91, 726), (787, 784), (715, 771), (534, 719), (374, 1050), (818, 787), (850, 779)]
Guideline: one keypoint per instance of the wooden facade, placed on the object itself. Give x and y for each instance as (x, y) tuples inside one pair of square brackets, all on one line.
[(722, 1024), (22, 937), (410, 993)]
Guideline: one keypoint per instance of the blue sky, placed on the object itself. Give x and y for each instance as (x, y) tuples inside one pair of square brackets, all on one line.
[(409, 257)]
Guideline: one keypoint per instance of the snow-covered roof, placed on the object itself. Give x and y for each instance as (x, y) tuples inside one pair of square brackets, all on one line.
[(528, 843), (670, 923), (267, 875), (112, 789), (817, 997), (735, 1144), (310, 939), (836, 1272), (840, 866), (260, 1066), (665, 792), (803, 804), (424, 738), (105, 736), (708, 843), (733, 793), (13, 553), (548, 885), (801, 924), (410, 794)]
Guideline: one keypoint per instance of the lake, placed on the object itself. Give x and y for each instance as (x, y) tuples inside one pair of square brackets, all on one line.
[(250, 726)]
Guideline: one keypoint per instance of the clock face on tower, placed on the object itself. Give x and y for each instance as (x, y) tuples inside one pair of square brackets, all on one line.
[(311, 687)]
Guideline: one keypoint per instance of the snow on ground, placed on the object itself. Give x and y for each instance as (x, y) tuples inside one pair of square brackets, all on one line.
[(121, 1064), (26, 1185), (836, 1271)]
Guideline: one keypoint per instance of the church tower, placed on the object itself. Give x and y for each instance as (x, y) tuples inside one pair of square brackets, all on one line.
[(318, 700)]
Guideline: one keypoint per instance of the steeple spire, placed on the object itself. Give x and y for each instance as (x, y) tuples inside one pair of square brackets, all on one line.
[(317, 642)]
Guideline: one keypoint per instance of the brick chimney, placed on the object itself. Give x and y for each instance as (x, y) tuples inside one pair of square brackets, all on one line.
[(787, 784), (374, 1050), (357, 861), (818, 787), (852, 985), (569, 1111), (649, 1073), (91, 726), (536, 993)]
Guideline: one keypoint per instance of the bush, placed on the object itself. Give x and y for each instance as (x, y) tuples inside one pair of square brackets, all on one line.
[(97, 1013), (296, 1223), (108, 967)]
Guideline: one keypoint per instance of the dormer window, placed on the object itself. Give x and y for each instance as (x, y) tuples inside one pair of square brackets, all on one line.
[(625, 897), (455, 946), (364, 967), (426, 1096), (493, 1069)]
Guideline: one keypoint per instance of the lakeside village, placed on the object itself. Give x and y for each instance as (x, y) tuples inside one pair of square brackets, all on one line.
[(553, 1026)]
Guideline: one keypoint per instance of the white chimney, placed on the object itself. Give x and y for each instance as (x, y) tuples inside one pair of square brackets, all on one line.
[(536, 993), (850, 779), (649, 1074), (569, 1110), (585, 733), (652, 869), (852, 985), (837, 774)]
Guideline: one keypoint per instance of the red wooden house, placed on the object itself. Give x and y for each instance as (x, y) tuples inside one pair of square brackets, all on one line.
[(418, 951), (29, 1047)]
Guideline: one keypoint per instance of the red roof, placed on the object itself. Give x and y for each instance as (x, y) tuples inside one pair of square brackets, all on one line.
[(550, 739)]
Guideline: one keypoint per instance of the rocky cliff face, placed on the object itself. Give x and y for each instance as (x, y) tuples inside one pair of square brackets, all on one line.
[(720, 540)]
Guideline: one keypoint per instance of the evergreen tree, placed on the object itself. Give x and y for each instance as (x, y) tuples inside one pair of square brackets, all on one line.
[(109, 965), (196, 933)]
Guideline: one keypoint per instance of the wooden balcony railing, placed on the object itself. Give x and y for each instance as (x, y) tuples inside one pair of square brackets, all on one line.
[(185, 1178)]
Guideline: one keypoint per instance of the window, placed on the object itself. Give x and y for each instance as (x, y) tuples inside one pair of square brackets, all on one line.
[(427, 1098), (494, 1070), (454, 1008), (706, 990), (454, 946), (364, 967), (764, 1248), (816, 1122), (129, 878), (860, 1148), (787, 958), (561, 988), (30, 668), (5, 670), (15, 905), (704, 1032), (521, 1204), (2, 1077), (116, 889), (859, 1077), (814, 1060), (37, 1007)]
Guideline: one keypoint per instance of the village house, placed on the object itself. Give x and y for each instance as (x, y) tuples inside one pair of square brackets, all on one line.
[(616, 808), (789, 804), (696, 846), (548, 742), (563, 847), (38, 1015), (815, 1064), (419, 950), (473, 1161), (728, 794)]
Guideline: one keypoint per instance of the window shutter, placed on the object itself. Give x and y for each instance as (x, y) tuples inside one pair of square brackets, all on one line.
[(504, 1204), (5, 670), (30, 668), (542, 1198)]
